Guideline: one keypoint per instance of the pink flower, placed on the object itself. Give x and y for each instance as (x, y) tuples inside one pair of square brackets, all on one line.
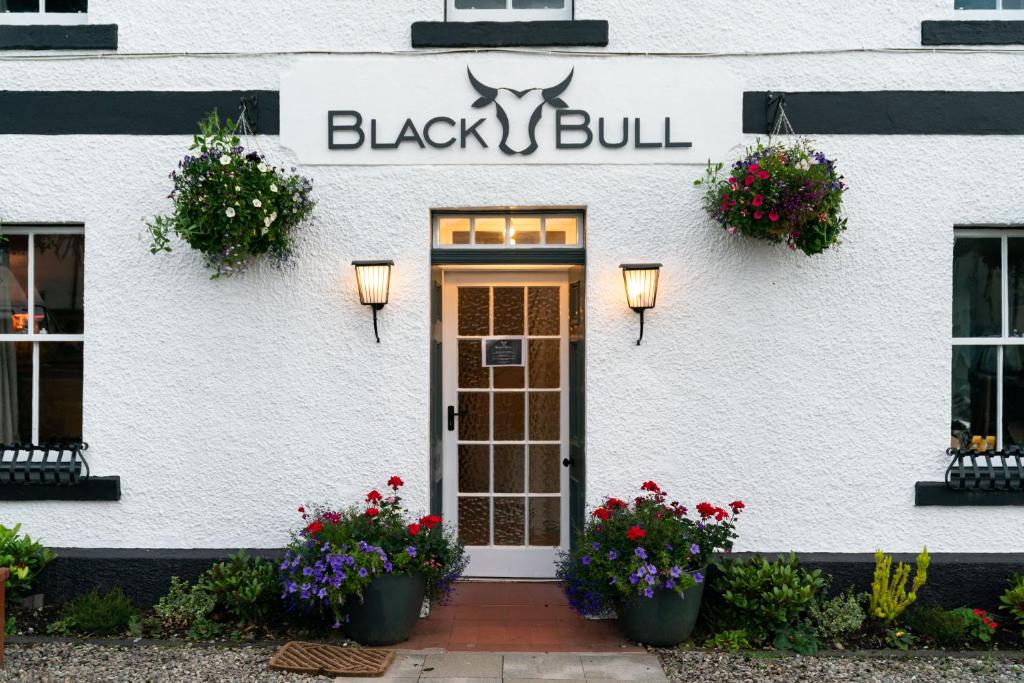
[(758, 215), (758, 200), (763, 175), (749, 181), (754, 168), (773, 216), (732, 230), (732, 182)]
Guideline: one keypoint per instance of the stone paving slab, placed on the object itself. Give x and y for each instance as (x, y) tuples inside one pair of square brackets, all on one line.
[(623, 668), (552, 667), (453, 666)]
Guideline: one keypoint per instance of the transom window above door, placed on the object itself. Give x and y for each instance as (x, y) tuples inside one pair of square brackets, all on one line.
[(988, 4), (43, 11), (508, 230), (508, 10)]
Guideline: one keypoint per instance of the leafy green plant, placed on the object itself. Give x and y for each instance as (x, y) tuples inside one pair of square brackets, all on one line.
[(900, 639), (187, 609), (11, 627), (245, 589), (837, 617), (24, 558), (980, 626), (944, 628), (889, 596), (729, 641), (764, 597), (1013, 599), (96, 614), (801, 640)]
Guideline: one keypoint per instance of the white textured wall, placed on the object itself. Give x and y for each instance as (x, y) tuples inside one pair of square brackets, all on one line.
[(815, 389)]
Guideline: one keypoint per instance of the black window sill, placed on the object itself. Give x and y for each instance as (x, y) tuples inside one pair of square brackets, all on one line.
[(71, 37), (578, 33), (92, 489), (972, 33), (936, 493)]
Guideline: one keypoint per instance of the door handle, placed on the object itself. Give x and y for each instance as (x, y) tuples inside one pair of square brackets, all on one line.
[(452, 415), (566, 462)]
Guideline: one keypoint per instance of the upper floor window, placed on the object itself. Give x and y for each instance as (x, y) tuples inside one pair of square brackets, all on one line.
[(988, 4), (43, 11), (510, 10), (508, 230), (42, 330)]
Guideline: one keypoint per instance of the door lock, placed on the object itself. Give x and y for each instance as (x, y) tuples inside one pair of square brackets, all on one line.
[(452, 415)]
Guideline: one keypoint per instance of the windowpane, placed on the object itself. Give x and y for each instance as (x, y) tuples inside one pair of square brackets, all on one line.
[(509, 521), (1013, 396), (475, 520), (15, 392), (490, 230), (524, 230), (974, 390), (474, 311), (14, 284), (538, 4), (508, 310), (19, 5), (474, 469), (453, 231), (67, 6), (1015, 261), (60, 391), (480, 4), (545, 521), (509, 469), (977, 299), (59, 282), (975, 4), (560, 230), (1013, 4)]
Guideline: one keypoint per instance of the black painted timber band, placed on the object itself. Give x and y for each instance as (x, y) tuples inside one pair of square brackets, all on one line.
[(73, 37), (972, 33), (578, 33), (92, 489), (88, 112), (527, 256), (936, 493), (892, 112)]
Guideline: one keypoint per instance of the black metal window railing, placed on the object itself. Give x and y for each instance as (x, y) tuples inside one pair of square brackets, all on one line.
[(986, 470), (63, 463)]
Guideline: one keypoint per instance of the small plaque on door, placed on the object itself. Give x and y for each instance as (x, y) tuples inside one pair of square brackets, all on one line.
[(500, 351)]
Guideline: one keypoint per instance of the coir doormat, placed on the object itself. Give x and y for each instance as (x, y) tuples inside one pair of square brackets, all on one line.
[(331, 660)]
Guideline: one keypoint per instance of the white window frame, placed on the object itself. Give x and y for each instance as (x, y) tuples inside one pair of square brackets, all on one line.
[(508, 14), (31, 335), (43, 17), (1004, 339), (437, 215)]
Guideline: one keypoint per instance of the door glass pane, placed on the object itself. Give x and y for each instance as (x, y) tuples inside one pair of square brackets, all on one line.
[(474, 469), (545, 521), (453, 231), (977, 300), (474, 311), (545, 469), (15, 393), (474, 416), (14, 284), (509, 469), (544, 311), (19, 5), (524, 230), (545, 416), (974, 390), (475, 520), (1013, 396), (508, 377), (560, 230), (1015, 260), (490, 230), (509, 416), (545, 363), (508, 310), (472, 374), (60, 392), (59, 282), (509, 521)]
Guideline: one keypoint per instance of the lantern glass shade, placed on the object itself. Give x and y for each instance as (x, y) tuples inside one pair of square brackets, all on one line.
[(641, 284), (374, 281)]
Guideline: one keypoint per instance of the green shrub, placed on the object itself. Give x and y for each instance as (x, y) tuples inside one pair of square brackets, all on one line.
[(889, 596), (96, 615), (1013, 599), (981, 628), (245, 590), (11, 627), (763, 597), (944, 628), (186, 609), (838, 617), (24, 558), (801, 640), (729, 641)]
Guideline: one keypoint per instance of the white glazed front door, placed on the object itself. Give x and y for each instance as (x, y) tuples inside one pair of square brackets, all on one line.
[(506, 421)]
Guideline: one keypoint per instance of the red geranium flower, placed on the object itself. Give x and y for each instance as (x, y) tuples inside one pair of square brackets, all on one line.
[(763, 175), (302, 509), (773, 216), (396, 482), (650, 486), (616, 504), (372, 512), (414, 529), (758, 215), (749, 181), (314, 528), (705, 510), (758, 200), (430, 521), (373, 496), (602, 513), (736, 506), (754, 168), (720, 514), (635, 533)]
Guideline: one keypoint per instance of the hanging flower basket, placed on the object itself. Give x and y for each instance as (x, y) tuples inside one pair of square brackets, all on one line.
[(230, 205), (780, 193)]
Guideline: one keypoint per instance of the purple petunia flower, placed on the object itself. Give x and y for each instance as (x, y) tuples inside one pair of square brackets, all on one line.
[(612, 555), (648, 593), (363, 572), (410, 551), (585, 560), (675, 572), (596, 546), (634, 579), (641, 553), (670, 584), (698, 577), (695, 549), (650, 579)]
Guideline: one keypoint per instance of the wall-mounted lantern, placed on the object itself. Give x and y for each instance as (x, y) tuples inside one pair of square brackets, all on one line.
[(641, 288), (374, 280)]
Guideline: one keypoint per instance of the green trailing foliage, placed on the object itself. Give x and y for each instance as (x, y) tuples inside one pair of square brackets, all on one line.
[(24, 558), (96, 614), (246, 590), (1013, 600), (762, 597), (186, 609), (839, 617), (729, 641), (889, 595), (801, 640)]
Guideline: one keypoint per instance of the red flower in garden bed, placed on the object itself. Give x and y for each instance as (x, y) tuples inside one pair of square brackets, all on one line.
[(602, 514), (414, 529), (314, 528), (396, 482), (372, 512), (430, 521), (635, 534), (650, 486), (373, 496)]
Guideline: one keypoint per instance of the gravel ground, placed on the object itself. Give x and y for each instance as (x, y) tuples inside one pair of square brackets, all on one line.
[(737, 668)]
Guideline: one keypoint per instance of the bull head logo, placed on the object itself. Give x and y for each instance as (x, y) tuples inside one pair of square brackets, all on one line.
[(490, 95)]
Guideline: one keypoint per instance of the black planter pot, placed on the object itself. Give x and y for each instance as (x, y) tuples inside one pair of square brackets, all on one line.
[(388, 612), (665, 620)]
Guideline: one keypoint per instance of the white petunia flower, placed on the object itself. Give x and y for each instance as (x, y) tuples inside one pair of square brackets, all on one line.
[(238, 188), (225, 160), (273, 188), (230, 212), (257, 203), (263, 167), (273, 217), (265, 230), (267, 222)]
